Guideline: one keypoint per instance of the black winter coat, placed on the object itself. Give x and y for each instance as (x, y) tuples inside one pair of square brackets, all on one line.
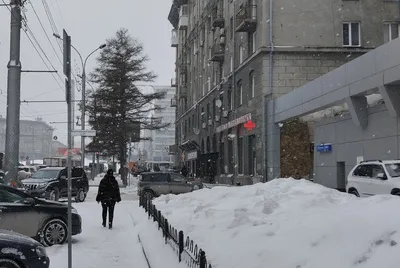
[(108, 190)]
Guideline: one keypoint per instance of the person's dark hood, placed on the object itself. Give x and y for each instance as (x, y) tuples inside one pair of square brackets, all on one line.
[(109, 177)]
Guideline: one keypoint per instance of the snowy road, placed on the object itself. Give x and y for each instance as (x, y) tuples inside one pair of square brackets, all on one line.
[(99, 247)]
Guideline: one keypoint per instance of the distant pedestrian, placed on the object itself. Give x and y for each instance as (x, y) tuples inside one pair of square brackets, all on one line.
[(184, 171), (108, 195)]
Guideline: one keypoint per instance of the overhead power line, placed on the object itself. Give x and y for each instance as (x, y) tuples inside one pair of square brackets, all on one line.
[(45, 32)]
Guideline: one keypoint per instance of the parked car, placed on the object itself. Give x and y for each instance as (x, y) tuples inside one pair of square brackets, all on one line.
[(20, 251), (374, 177), (42, 220), (52, 183), (154, 184)]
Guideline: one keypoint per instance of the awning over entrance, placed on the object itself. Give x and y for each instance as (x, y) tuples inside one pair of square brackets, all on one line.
[(189, 145), (377, 71)]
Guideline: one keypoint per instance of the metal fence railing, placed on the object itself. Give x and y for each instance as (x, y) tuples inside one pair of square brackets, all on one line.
[(186, 249)]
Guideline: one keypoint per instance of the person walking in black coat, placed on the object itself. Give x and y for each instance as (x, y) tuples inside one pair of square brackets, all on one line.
[(184, 171), (108, 195)]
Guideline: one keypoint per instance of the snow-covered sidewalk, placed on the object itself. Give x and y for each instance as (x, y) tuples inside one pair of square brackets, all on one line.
[(99, 247)]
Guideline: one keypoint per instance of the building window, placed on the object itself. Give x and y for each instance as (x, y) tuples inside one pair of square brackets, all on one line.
[(240, 88), (241, 54), (351, 34), (202, 115), (208, 111), (250, 43), (229, 99), (231, 62), (193, 122), (252, 84), (232, 31), (185, 128), (214, 109), (390, 31)]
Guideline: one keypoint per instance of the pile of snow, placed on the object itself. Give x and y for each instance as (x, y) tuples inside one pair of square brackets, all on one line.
[(288, 223)]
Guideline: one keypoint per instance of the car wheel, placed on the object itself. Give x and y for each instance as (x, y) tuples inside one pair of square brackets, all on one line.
[(196, 187), (7, 263), (148, 195), (80, 196), (354, 192), (54, 195), (54, 232)]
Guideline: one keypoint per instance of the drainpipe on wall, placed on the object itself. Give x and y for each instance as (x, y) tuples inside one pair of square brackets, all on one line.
[(233, 95), (268, 110)]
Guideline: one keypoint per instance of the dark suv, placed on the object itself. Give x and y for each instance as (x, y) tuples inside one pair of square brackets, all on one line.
[(154, 184), (52, 183)]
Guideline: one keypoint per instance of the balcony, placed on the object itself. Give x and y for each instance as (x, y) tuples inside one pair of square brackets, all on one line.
[(218, 18), (173, 102), (217, 53), (174, 38), (183, 17), (246, 19), (173, 82)]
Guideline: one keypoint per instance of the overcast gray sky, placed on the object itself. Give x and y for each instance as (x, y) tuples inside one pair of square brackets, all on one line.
[(89, 23)]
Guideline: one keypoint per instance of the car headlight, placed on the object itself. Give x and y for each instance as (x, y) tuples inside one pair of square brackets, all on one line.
[(41, 185), (41, 252), (74, 211)]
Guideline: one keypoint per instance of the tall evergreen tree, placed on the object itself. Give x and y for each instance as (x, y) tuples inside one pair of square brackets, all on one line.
[(117, 108)]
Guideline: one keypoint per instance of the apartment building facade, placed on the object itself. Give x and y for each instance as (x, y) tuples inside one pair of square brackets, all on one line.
[(35, 140), (157, 146), (232, 56)]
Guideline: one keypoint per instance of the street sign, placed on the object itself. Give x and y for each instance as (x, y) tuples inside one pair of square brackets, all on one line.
[(83, 133)]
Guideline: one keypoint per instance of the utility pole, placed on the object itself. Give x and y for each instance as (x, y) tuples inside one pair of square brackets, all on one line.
[(83, 112), (67, 72), (83, 105), (13, 94), (94, 141)]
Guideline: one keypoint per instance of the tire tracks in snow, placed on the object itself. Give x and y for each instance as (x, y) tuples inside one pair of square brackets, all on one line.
[(134, 223), (144, 252)]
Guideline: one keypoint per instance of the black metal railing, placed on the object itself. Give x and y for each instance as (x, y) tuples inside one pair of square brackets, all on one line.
[(185, 248)]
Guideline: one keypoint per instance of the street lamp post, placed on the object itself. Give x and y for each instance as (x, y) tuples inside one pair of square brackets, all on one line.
[(83, 105)]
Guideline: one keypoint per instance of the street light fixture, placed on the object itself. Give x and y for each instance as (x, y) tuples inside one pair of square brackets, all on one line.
[(83, 80)]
